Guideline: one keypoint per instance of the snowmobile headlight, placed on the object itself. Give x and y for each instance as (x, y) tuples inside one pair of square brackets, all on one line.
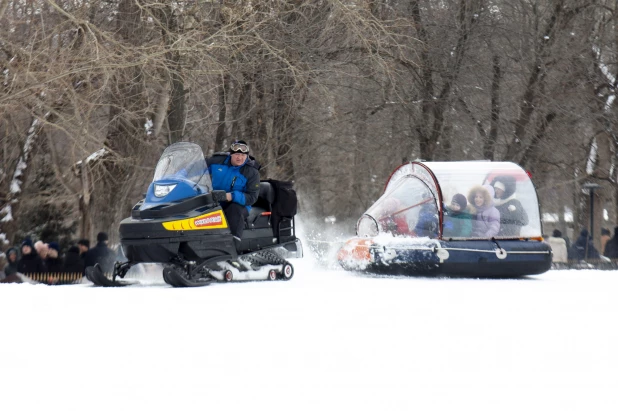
[(163, 190)]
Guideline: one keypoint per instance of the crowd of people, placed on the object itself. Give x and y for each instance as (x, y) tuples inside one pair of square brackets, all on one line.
[(583, 248), (39, 257)]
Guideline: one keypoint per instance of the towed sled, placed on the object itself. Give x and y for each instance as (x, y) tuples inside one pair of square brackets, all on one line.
[(180, 224), (412, 228)]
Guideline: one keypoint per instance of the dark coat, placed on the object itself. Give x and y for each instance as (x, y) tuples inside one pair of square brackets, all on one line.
[(54, 265), (73, 263), (512, 217), (428, 220), (11, 267), (100, 254), (31, 263), (584, 243), (242, 181), (512, 214)]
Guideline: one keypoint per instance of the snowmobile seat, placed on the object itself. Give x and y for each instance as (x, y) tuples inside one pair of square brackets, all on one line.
[(259, 216), (267, 195)]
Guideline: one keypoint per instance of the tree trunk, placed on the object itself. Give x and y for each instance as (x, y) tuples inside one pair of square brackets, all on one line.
[(85, 202), (9, 207), (127, 115), (490, 142), (222, 93)]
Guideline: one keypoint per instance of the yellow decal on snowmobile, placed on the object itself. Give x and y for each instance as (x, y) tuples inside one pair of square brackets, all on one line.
[(203, 222)]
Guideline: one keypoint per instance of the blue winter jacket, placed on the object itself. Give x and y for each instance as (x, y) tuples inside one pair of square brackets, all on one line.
[(242, 181)]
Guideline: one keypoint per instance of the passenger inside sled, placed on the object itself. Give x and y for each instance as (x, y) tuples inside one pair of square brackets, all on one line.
[(456, 200), (468, 210)]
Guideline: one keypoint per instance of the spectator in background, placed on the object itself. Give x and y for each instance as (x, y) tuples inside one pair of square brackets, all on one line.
[(84, 246), (558, 248), (54, 262), (42, 249), (12, 257), (605, 236), (30, 262), (73, 263), (584, 248), (100, 254), (611, 247)]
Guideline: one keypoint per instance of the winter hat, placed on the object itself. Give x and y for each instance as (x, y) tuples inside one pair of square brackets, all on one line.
[(102, 237), (557, 233), (461, 200), (54, 246), (500, 185), (234, 149), (506, 183), (28, 242)]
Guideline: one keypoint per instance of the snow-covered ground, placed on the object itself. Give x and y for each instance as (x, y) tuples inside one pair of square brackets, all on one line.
[(326, 340)]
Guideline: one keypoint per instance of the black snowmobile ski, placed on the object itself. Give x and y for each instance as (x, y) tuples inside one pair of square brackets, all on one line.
[(176, 277), (98, 278)]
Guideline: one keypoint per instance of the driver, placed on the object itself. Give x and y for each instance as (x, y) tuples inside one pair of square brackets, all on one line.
[(237, 174)]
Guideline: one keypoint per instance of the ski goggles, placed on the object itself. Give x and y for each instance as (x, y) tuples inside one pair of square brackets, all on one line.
[(239, 147)]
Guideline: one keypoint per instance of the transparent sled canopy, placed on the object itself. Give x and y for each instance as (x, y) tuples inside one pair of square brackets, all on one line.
[(184, 160), (500, 202)]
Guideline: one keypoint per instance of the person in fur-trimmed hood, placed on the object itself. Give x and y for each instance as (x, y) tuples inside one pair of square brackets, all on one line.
[(512, 214), (486, 217)]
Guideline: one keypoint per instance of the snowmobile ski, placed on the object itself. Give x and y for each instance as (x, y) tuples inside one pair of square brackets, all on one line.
[(176, 277), (98, 278)]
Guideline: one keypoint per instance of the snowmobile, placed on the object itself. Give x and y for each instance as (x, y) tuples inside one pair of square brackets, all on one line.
[(414, 229), (181, 225)]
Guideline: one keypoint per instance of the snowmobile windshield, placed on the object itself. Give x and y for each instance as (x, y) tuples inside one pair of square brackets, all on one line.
[(184, 161), (407, 208)]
